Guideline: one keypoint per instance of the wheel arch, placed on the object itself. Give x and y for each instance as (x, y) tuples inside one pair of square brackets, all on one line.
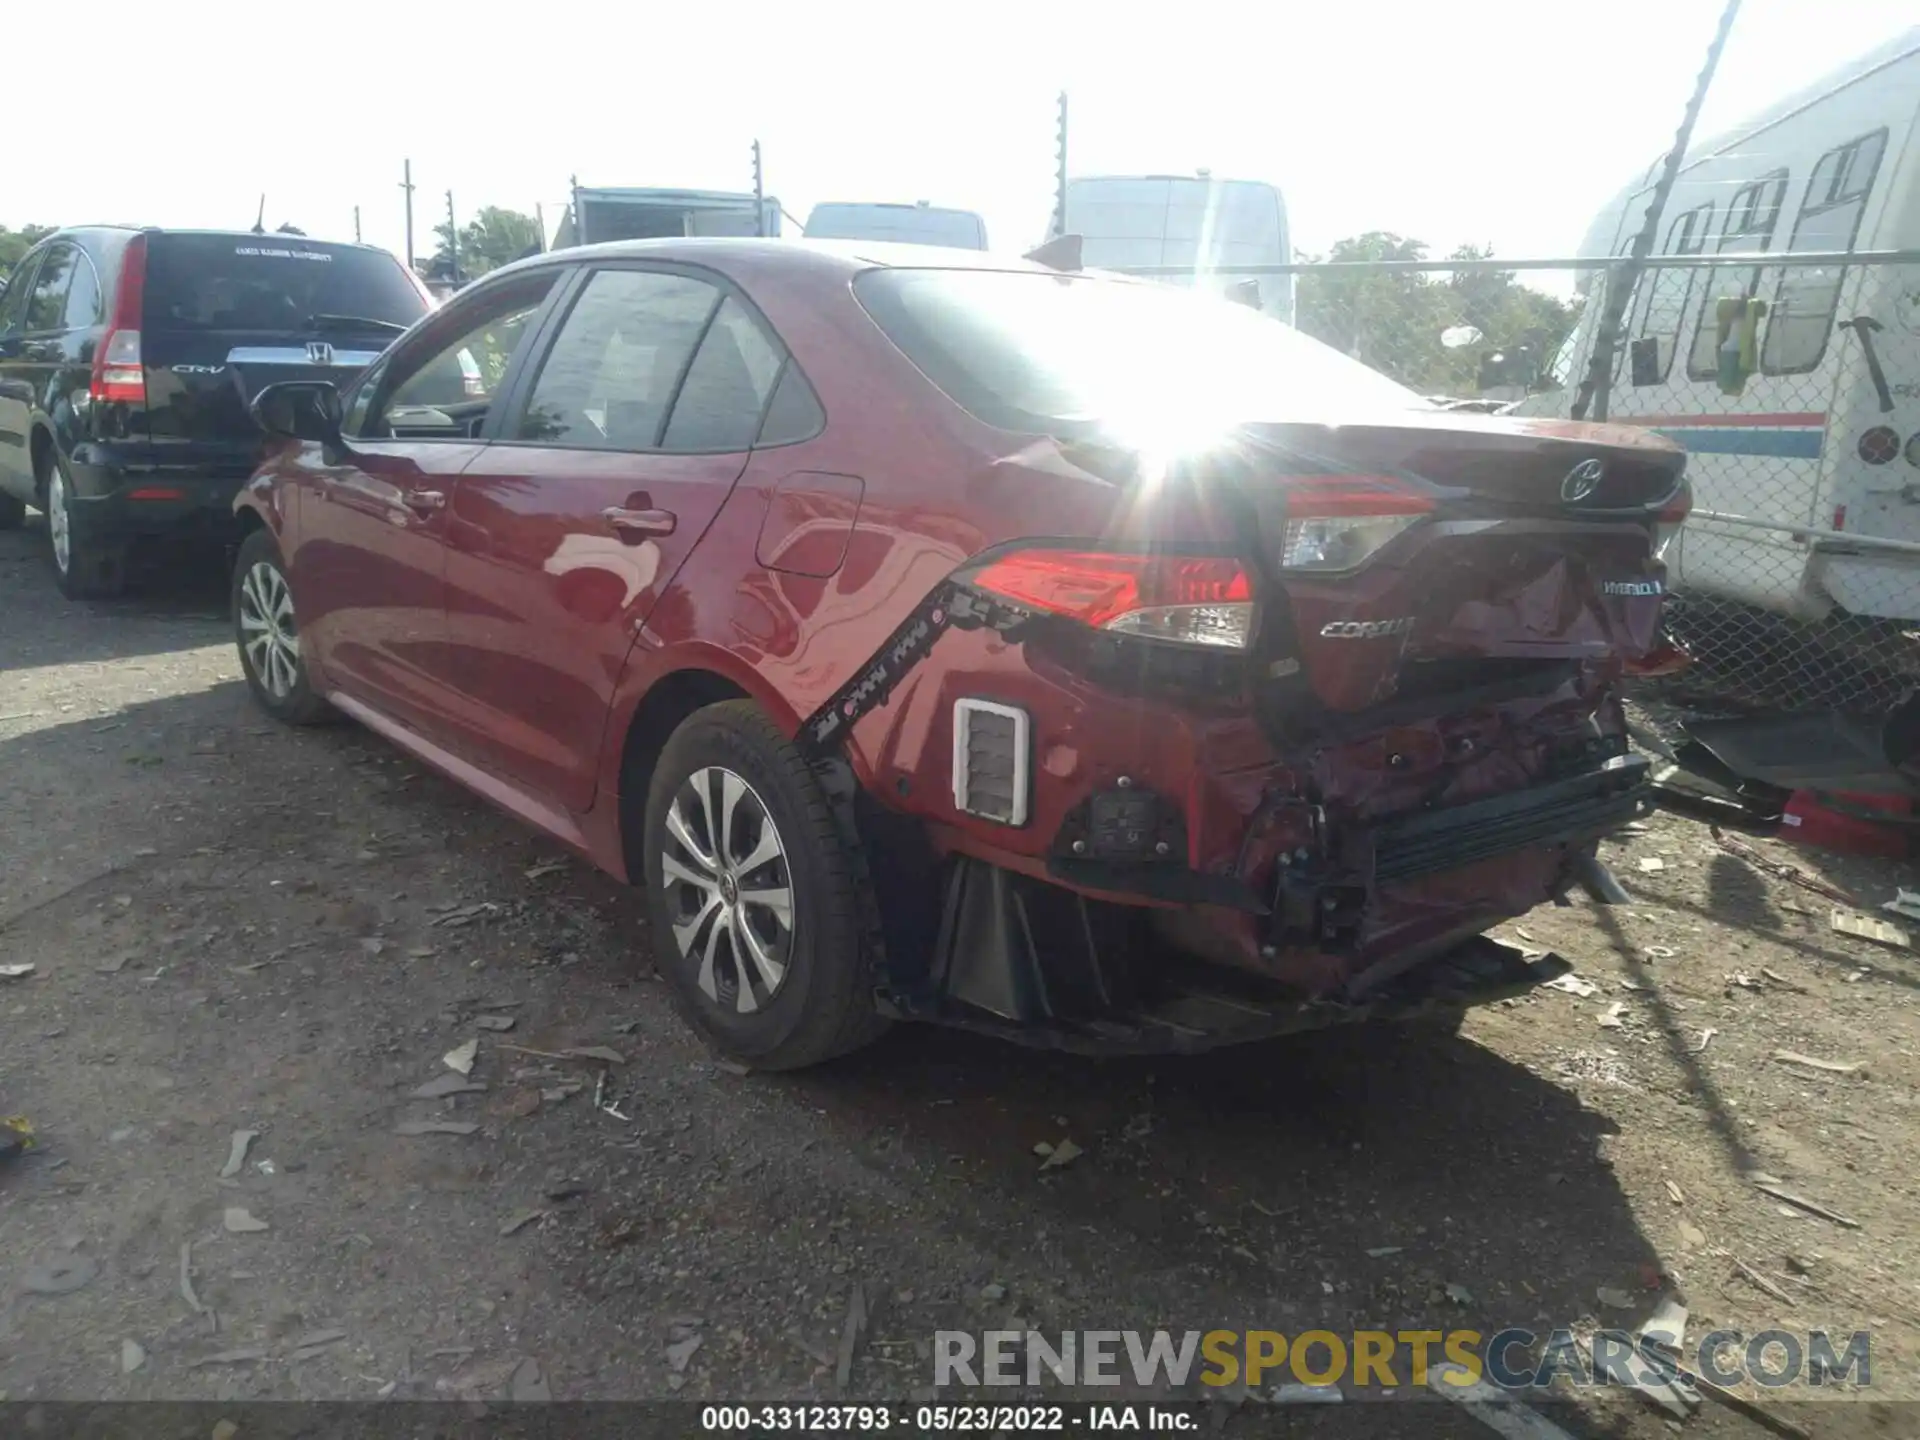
[(662, 709)]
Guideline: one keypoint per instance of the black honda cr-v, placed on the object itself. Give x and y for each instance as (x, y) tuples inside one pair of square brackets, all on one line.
[(128, 359)]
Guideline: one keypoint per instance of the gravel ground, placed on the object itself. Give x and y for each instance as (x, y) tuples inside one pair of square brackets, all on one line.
[(236, 927)]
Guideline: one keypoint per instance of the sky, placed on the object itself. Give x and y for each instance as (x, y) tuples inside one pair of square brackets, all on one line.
[(1501, 122)]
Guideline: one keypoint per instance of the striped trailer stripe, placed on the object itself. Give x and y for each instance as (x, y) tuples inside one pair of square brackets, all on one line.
[(1789, 436)]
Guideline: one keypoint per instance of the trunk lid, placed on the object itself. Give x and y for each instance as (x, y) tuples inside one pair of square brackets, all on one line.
[(1528, 548), (227, 315)]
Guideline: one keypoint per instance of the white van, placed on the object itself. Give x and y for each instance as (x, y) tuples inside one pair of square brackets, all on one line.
[(1812, 455), (1130, 222), (920, 224)]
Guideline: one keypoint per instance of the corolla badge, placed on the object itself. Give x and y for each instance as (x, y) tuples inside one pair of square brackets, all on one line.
[(1582, 480)]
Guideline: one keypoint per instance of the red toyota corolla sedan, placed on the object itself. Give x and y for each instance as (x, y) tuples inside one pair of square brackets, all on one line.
[(934, 635)]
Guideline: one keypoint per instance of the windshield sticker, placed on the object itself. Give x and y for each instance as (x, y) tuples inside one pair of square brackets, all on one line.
[(279, 253)]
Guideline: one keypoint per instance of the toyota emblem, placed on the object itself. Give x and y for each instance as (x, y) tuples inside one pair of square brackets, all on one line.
[(1582, 480)]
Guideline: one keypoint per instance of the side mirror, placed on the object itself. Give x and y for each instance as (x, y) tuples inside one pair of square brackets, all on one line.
[(299, 410)]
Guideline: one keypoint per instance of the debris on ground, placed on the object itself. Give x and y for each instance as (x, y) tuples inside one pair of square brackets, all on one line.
[(527, 1383), (519, 1221), (15, 972), (595, 1052), (1065, 1153), (1651, 865), (1296, 1393), (230, 1357), (1865, 927), (1615, 1016), (1659, 952), (1459, 1294), (186, 1280), (463, 915), (1771, 1185), (237, 1153), (493, 1022), (1667, 1325), (60, 1276), (994, 1291), (435, 1127), (1614, 1298), (850, 1336), (725, 1067), (1706, 1039), (1780, 869), (1831, 1067), (16, 1136), (1783, 982), (1674, 1192), (681, 1352), (1760, 1281), (132, 1356), (315, 1342), (462, 1056), (1574, 985), (238, 1220), (1691, 1235), (1740, 980), (1495, 1408), (544, 868), (1380, 1252), (1905, 903), (443, 1085)]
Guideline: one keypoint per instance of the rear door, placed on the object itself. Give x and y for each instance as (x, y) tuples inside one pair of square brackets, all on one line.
[(228, 314), (631, 430), (367, 558)]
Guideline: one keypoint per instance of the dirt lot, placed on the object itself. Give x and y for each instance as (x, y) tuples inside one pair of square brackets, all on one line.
[(237, 927)]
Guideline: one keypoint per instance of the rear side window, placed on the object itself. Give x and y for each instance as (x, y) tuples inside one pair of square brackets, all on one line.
[(617, 361), (273, 283), (83, 296), (47, 305), (726, 389)]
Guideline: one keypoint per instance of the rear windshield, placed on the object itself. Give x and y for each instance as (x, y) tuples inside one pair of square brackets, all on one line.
[(273, 283), (1028, 351)]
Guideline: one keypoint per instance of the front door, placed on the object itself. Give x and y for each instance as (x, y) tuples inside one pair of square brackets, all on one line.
[(16, 388), (633, 425), (368, 556)]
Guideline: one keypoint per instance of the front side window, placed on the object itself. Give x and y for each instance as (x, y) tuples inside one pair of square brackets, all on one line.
[(619, 359), (1072, 356), (444, 385), (47, 305), (1808, 296), (13, 302), (1748, 225)]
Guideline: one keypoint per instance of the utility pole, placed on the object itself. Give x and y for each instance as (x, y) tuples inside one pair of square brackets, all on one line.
[(453, 242), (406, 184), (356, 225), (1059, 226), (759, 195), (1591, 400), (540, 224)]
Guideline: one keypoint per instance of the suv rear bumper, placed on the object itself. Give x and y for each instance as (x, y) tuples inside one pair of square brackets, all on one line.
[(122, 493)]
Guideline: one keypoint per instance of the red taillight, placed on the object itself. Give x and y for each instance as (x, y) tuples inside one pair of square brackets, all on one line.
[(1335, 522), (118, 374), (156, 492), (1185, 599)]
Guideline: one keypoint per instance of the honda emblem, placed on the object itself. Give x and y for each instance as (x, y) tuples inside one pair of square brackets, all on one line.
[(319, 352)]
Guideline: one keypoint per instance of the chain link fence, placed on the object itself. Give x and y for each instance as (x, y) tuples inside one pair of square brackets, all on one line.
[(1795, 388)]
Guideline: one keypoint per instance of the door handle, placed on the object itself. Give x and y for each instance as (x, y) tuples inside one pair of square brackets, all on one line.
[(425, 502), (635, 523)]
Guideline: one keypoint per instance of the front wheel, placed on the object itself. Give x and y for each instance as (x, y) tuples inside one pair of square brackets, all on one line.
[(268, 635), (756, 913)]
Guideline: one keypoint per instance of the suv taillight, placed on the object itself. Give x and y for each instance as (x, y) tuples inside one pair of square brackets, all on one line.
[(119, 377), (1202, 600)]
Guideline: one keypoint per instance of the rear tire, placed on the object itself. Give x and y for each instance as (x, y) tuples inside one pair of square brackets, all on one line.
[(267, 634), (85, 567), (757, 920), (13, 513)]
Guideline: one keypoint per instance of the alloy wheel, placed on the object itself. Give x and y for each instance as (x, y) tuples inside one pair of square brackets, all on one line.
[(268, 632), (730, 890), (59, 521)]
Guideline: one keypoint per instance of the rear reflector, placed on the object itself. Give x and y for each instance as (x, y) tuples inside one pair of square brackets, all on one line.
[(1184, 599), (1336, 522), (990, 748), (156, 492)]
